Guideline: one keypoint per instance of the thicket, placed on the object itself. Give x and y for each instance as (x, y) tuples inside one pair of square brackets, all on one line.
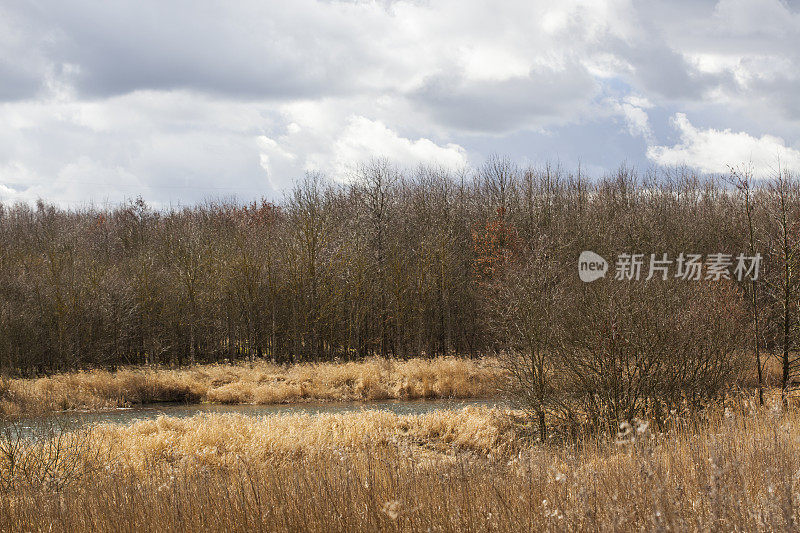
[(400, 263)]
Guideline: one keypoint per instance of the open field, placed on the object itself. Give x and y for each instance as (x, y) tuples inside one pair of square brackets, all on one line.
[(468, 470), (258, 383)]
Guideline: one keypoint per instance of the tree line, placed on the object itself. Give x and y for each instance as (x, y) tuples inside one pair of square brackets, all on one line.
[(395, 262)]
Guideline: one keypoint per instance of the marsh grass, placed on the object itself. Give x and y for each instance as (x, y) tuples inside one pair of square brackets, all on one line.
[(735, 468), (264, 383), (257, 383)]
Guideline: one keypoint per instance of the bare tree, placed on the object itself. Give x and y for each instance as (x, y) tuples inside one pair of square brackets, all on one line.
[(743, 181), (782, 246)]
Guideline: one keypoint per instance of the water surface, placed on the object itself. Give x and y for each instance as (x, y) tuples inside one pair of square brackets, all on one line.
[(128, 415)]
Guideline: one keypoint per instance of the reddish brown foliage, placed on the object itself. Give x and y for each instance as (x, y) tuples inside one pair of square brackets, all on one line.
[(494, 244)]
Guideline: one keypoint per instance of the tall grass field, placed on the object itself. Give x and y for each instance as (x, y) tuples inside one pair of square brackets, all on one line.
[(736, 469)]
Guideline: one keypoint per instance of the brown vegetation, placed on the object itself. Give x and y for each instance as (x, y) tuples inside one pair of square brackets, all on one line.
[(254, 383), (623, 350), (467, 470), (416, 263), (427, 264), (394, 263)]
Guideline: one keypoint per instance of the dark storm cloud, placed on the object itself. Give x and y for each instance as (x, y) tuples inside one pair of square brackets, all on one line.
[(239, 49), (661, 70), (16, 82), (503, 106)]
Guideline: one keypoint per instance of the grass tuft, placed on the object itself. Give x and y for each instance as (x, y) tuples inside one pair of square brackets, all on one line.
[(258, 383)]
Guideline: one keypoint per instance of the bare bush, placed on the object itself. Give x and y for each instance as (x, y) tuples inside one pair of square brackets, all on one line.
[(46, 454), (643, 349)]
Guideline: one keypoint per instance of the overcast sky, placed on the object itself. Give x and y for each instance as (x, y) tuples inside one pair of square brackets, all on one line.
[(185, 100)]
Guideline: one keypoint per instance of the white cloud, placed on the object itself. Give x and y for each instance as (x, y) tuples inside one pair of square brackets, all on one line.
[(182, 100), (756, 17), (168, 147), (307, 147), (711, 150), (634, 110), (364, 138)]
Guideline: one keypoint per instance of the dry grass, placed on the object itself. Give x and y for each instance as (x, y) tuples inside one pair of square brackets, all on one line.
[(465, 470), (259, 383), (266, 383)]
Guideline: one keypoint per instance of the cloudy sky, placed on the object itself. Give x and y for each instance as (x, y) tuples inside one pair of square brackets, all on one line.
[(184, 100)]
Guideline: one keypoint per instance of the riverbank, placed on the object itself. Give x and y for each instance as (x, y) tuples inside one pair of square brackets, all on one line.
[(464, 470), (257, 383)]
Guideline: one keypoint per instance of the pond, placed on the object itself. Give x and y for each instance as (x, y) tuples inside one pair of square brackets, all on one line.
[(128, 415)]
